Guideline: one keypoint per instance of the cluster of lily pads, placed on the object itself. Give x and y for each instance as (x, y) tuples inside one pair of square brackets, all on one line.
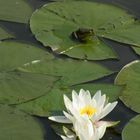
[(33, 81)]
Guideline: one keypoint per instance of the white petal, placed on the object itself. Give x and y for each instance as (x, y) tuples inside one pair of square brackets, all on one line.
[(95, 117), (68, 133), (66, 138), (85, 129), (82, 93), (107, 123), (101, 130), (97, 95), (93, 103), (82, 98), (74, 95), (100, 104), (59, 119), (102, 100), (108, 108), (90, 129), (68, 116), (75, 100), (87, 98), (88, 95), (67, 102)]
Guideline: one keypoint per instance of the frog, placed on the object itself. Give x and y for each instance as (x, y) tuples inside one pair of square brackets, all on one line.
[(83, 35)]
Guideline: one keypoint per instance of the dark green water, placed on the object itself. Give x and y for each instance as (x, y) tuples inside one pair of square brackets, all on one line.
[(125, 55)]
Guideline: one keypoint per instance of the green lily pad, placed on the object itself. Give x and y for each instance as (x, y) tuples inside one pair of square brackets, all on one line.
[(14, 54), (129, 76), (137, 50), (16, 125), (4, 34), (53, 102), (75, 28), (71, 71), (55, 23), (15, 11), (17, 87), (131, 130), (126, 32)]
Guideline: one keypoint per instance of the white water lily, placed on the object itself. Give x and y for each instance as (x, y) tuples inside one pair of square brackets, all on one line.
[(83, 105), (85, 113), (86, 130)]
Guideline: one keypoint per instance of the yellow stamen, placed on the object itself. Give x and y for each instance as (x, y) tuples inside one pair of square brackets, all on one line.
[(89, 110)]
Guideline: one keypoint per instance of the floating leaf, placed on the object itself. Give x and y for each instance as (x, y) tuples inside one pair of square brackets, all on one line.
[(57, 25), (53, 100), (131, 130), (137, 50), (127, 32), (15, 11), (14, 54), (17, 87), (16, 125), (4, 34), (71, 71), (129, 76)]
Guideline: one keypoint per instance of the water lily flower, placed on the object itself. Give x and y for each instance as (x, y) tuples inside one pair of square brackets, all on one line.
[(85, 113), (85, 129), (83, 105)]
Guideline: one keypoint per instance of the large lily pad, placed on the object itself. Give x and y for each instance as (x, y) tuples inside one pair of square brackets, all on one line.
[(14, 54), (53, 102), (55, 24), (17, 87), (15, 125), (15, 10), (4, 34), (131, 130), (71, 71), (129, 76)]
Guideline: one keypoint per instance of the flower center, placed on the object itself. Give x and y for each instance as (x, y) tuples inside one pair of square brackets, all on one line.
[(88, 110)]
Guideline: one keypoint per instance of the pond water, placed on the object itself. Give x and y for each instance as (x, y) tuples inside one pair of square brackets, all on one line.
[(125, 55)]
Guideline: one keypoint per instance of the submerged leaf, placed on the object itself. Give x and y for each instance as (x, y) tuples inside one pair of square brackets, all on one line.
[(129, 76), (16, 125)]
